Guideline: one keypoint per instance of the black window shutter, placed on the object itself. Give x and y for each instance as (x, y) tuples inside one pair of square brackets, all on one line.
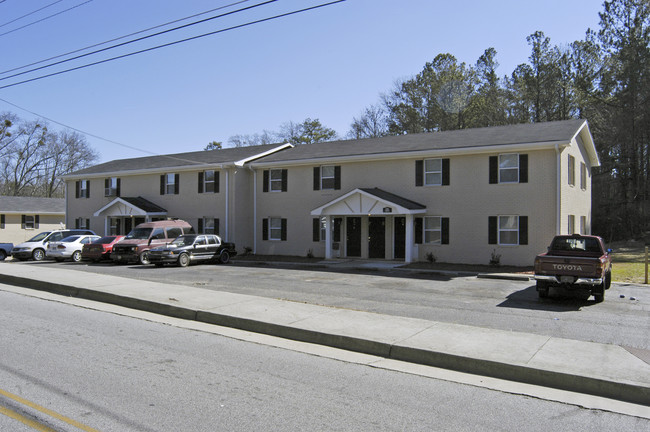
[(445, 172), (87, 188), (492, 230), (200, 226), (285, 184), (523, 230), (419, 173), (22, 221), (200, 184), (265, 180), (176, 183), (87, 223), (77, 187), (162, 184), (523, 168), (216, 226), (36, 221), (2, 221), (444, 235), (337, 177), (118, 191), (76, 223), (217, 174), (107, 183), (283, 232), (316, 178), (315, 229), (337, 229), (494, 169), (418, 230), (265, 229)]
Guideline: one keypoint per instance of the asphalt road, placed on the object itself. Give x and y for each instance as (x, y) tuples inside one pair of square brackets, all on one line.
[(499, 304), (115, 373)]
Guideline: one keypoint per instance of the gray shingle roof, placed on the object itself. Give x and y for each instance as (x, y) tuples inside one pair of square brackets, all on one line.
[(223, 156), (395, 199), (559, 131), (144, 204), (32, 205)]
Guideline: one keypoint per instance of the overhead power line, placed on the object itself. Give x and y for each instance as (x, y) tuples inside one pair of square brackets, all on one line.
[(31, 13), (138, 39), (46, 18), (173, 43), (121, 37)]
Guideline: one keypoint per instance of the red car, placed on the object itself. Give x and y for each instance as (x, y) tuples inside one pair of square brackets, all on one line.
[(100, 249)]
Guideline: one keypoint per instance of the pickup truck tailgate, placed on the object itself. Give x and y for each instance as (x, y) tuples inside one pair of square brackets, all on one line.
[(559, 266)]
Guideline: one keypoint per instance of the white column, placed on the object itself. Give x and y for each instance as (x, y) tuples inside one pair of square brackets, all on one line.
[(328, 237), (409, 239)]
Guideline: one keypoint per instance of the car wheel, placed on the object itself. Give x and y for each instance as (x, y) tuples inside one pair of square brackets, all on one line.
[(144, 258), (224, 258), (38, 254), (183, 260), (608, 280), (599, 296), (3, 255), (542, 289), (76, 256)]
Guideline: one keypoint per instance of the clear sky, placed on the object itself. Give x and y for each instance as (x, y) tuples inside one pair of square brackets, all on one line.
[(329, 63)]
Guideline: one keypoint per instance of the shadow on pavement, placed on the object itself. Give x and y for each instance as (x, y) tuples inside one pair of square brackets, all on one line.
[(558, 300)]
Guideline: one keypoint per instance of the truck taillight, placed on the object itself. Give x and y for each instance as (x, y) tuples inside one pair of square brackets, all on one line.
[(538, 265)]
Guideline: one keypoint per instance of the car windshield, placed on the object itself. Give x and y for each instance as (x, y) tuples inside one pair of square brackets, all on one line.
[(39, 237), (139, 234), (70, 239), (184, 240), (105, 240)]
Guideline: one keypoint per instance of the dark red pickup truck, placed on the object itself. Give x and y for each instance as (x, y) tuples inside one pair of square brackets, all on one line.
[(575, 262)]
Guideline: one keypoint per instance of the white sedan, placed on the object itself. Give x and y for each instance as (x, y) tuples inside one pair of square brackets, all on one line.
[(69, 247)]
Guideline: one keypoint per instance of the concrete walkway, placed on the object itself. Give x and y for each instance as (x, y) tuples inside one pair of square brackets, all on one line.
[(591, 368)]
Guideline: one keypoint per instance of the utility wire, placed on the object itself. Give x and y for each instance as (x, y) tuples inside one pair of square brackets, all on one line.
[(31, 13), (137, 40), (121, 37), (174, 43), (46, 18)]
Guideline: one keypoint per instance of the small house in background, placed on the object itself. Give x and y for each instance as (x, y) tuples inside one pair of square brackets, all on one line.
[(21, 218)]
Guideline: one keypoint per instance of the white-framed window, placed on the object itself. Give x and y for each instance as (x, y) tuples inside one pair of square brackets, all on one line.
[(275, 180), (82, 223), (275, 228), (583, 225), (170, 184), (509, 168), (209, 225), (433, 229), (508, 230), (83, 189), (29, 222), (433, 172), (327, 177), (111, 186), (583, 176), (572, 225), (208, 181), (572, 171)]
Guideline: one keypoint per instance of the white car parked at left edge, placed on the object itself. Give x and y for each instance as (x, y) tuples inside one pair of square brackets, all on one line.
[(69, 247)]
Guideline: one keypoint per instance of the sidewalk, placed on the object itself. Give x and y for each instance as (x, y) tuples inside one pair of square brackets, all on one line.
[(598, 369)]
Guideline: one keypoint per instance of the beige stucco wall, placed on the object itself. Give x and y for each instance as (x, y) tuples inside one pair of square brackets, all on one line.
[(14, 233), (468, 201), (575, 200)]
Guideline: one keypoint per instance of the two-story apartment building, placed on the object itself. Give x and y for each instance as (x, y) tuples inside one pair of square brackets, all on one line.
[(466, 196)]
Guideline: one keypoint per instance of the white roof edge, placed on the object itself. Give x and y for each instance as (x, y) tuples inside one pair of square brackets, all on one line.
[(120, 200), (499, 148), (402, 210), (588, 141), (29, 212), (242, 162)]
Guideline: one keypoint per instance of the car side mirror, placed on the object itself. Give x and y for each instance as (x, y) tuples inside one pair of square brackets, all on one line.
[(150, 240), (194, 245)]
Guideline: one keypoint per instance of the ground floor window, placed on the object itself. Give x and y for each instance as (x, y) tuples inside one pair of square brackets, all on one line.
[(29, 221), (508, 230), (208, 225), (274, 228), (572, 224), (81, 223)]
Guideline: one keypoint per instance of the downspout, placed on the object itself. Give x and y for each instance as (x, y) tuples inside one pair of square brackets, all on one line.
[(227, 202), (254, 208), (558, 218)]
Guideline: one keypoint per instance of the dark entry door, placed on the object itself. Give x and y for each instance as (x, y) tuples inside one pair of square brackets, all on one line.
[(399, 242), (353, 236), (127, 226), (377, 237)]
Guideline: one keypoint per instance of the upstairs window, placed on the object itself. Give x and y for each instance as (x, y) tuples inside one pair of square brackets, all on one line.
[(572, 171), (432, 172), (327, 177), (82, 189), (509, 168), (209, 181), (169, 184), (112, 187), (275, 180), (583, 176)]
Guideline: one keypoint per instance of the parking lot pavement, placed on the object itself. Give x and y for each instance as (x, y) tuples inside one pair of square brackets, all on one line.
[(517, 356)]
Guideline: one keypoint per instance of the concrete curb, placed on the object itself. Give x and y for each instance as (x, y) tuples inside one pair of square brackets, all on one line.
[(627, 392)]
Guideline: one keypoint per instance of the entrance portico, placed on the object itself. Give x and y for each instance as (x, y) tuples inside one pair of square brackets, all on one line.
[(124, 213), (370, 214)]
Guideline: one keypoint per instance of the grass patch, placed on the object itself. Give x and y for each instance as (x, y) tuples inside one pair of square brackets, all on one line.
[(628, 264)]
